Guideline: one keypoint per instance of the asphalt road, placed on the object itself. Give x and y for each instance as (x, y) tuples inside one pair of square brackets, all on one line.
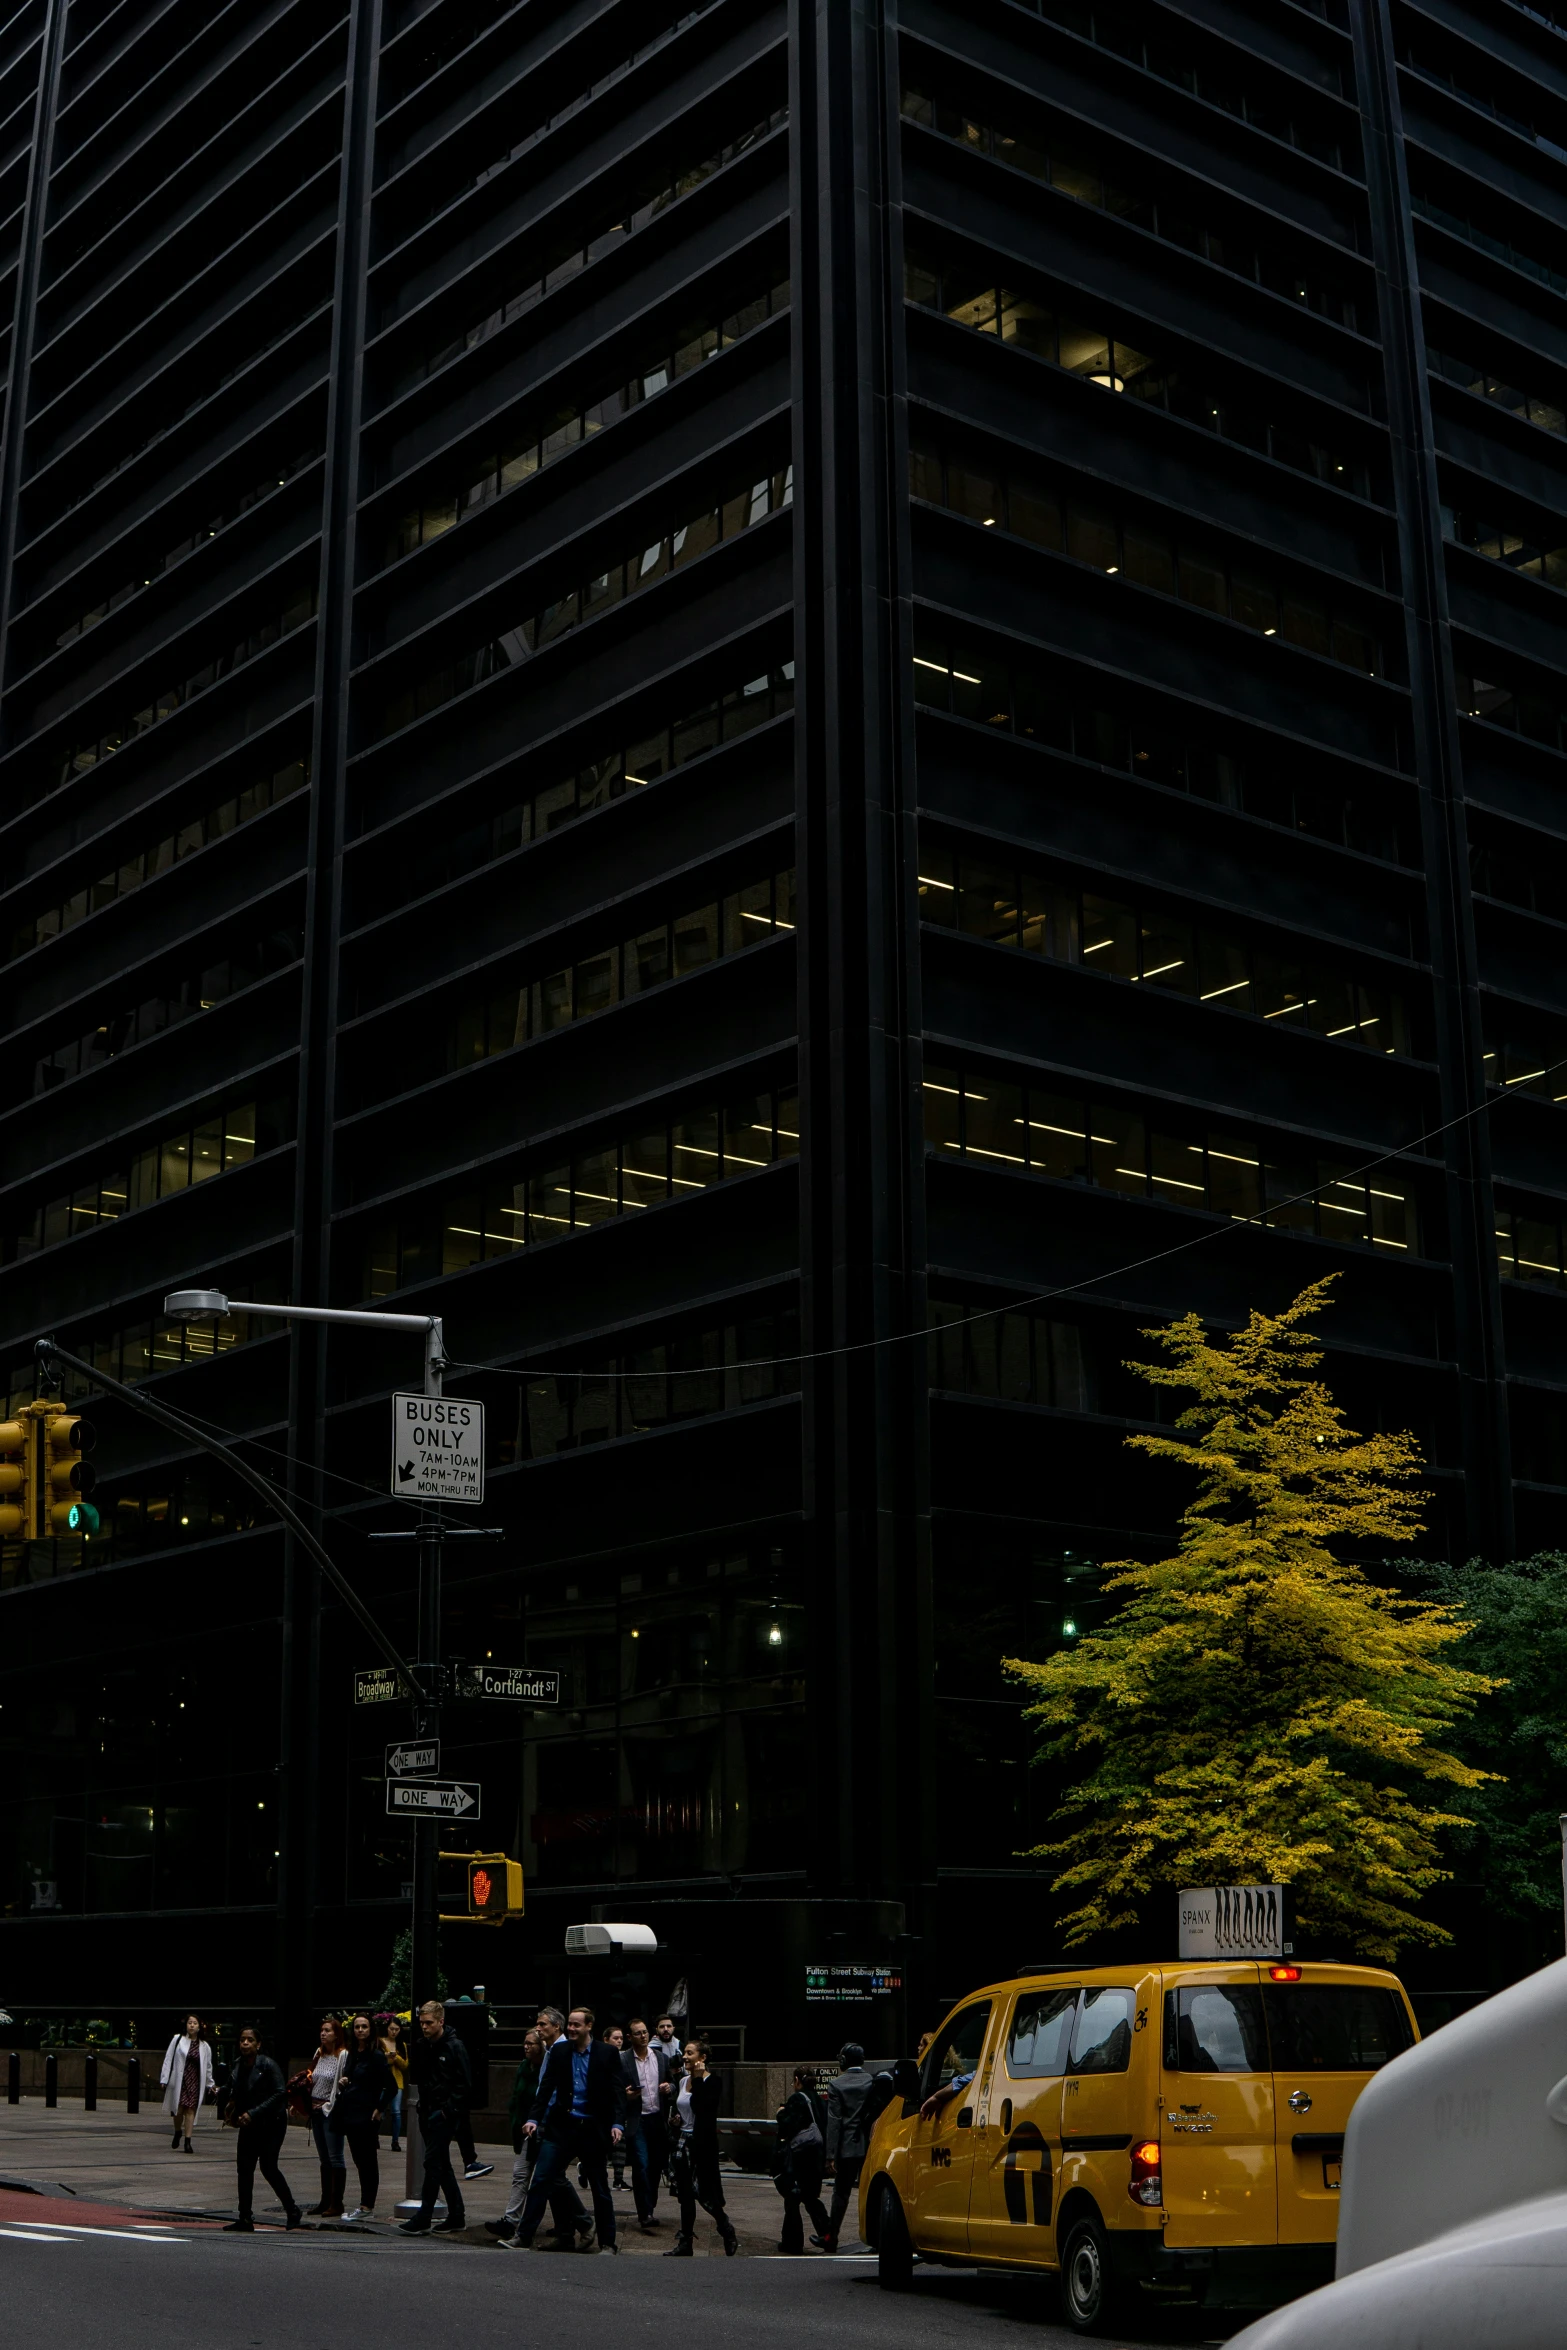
[(103, 2278)]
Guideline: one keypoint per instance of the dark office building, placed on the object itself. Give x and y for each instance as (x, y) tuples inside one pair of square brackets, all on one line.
[(783, 705)]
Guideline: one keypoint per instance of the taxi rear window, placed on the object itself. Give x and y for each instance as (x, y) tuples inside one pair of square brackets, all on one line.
[(1334, 2027), (1214, 2028)]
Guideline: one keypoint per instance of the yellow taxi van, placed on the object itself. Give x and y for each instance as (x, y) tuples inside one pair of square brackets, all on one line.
[(1163, 2134)]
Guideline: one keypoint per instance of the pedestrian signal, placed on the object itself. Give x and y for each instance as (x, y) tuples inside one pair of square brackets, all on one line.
[(495, 1888), (15, 1483), (480, 1888)]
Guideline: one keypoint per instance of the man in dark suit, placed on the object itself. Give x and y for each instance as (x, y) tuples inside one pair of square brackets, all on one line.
[(648, 2068), (580, 2113)]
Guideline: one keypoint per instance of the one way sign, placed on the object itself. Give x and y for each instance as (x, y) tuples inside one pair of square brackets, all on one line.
[(438, 1448), (456, 1799)]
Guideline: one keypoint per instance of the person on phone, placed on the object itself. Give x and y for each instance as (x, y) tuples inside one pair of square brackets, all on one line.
[(256, 2110), (694, 2161)]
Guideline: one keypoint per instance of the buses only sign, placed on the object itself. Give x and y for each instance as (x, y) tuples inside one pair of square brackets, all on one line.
[(437, 1448)]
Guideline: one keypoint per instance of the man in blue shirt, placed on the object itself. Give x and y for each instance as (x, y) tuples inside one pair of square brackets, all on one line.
[(579, 2110)]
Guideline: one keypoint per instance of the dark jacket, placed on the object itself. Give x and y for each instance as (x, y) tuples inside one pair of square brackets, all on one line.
[(606, 2089), (440, 2071), (366, 2088), (848, 2137), (706, 2096), (258, 2090), (524, 2090), (802, 2109)]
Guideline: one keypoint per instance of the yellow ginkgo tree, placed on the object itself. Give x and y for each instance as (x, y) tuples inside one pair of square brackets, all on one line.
[(1258, 1710)]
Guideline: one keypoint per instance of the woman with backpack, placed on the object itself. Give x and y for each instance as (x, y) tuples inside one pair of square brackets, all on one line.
[(186, 2079), (802, 2160)]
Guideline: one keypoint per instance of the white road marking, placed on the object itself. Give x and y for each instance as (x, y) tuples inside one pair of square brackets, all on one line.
[(139, 2235), (22, 2236)]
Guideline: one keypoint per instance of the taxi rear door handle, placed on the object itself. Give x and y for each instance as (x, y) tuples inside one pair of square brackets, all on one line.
[(966, 2118)]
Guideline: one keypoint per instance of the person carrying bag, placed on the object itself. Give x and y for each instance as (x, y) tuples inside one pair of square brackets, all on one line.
[(801, 2161)]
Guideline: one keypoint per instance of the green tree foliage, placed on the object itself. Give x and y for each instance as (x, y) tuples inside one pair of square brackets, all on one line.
[(1258, 1710), (1518, 1639), (398, 1993)]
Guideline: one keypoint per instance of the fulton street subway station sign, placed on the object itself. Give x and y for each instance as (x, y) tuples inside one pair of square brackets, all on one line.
[(438, 1448)]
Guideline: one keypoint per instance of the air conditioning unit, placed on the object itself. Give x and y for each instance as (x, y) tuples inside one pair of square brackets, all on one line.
[(608, 1941)]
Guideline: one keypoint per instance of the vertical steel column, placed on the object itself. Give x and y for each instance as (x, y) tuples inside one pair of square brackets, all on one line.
[(862, 1223), (1477, 1306), (298, 1890), (13, 435)]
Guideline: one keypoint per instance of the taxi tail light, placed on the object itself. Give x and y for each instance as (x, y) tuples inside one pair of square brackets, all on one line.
[(1147, 2185), (1284, 1974)]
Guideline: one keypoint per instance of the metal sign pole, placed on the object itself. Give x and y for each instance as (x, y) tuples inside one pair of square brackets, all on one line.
[(424, 1959)]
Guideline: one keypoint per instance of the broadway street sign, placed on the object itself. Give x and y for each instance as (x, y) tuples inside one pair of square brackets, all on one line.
[(379, 1686), (408, 1761), (514, 1684), (452, 1799), (437, 1448)]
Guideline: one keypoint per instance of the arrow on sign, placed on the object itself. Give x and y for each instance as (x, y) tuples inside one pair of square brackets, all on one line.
[(405, 1470), (450, 1798), (406, 1762)]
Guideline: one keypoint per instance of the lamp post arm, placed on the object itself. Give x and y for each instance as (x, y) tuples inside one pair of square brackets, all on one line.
[(47, 1351)]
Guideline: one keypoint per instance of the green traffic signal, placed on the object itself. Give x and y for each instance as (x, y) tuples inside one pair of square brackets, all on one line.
[(82, 1518)]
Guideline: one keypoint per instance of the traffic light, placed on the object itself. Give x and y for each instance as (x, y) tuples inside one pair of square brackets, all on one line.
[(482, 1888), (495, 1888), (16, 1438), (65, 1479)]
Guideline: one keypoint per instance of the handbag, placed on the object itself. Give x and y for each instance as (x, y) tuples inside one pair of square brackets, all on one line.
[(297, 2096)]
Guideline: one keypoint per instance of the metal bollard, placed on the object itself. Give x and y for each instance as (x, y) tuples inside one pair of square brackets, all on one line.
[(133, 2085), (13, 2079), (90, 2082), (51, 2080)]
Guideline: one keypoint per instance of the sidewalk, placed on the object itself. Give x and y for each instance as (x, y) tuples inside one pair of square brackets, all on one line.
[(111, 2157)]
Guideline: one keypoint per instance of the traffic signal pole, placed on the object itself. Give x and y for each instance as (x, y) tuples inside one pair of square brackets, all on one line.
[(423, 1957)]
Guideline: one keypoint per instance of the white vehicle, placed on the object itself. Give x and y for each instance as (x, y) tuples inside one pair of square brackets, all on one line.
[(1453, 2231)]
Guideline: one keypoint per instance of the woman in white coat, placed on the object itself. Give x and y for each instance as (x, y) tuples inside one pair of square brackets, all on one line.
[(186, 2078)]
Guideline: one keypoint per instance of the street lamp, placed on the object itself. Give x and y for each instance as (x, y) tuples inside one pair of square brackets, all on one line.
[(210, 1305)]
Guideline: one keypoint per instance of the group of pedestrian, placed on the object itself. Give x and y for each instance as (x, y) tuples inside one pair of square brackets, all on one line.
[(816, 2134), (630, 2096), (349, 2092)]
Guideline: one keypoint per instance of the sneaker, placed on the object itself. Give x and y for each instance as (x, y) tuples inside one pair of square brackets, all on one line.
[(523, 2244), (414, 2227), (478, 2170), (359, 2212), (609, 2247), (450, 2226), (586, 2231), (294, 2219), (587, 2240), (239, 2227), (503, 2229), (647, 2226)]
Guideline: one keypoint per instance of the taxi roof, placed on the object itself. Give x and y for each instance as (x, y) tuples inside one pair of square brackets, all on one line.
[(1311, 1969)]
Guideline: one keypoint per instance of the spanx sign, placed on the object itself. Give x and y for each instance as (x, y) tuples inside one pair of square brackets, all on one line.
[(1232, 1921)]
